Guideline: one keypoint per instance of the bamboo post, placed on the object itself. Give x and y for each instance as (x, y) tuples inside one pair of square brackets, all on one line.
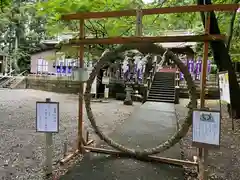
[(203, 162), (80, 112)]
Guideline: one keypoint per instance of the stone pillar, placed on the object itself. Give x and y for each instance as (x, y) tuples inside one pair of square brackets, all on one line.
[(177, 94), (128, 99)]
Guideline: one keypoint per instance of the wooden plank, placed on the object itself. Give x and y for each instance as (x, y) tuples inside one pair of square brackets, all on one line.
[(80, 99), (164, 10), (126, 40), (171, 161)]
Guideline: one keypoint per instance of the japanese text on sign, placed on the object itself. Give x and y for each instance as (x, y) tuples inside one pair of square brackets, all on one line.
[(47, 117), (206, 127)]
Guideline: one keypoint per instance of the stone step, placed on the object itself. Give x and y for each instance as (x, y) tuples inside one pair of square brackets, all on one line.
[(162, 91), (154, 82), (163, 84), (164, 77), (162, 87), (161, 79), (170, 81), (160, 96), (161, 100)]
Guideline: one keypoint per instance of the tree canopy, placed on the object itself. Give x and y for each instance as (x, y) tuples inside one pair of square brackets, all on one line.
[(24, 24)]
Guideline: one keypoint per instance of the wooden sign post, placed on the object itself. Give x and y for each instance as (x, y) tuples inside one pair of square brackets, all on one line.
[(206, 132), (203, 163), (206, 128), (47, 121)]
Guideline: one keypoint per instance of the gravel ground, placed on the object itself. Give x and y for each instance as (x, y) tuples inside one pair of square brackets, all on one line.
[(223, 163), (22, 150)]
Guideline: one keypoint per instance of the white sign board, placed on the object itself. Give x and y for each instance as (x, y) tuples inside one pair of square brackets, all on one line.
[(206, 128), (47, 117), (94, 86), (224, 87), (105, 80), (106, 92)]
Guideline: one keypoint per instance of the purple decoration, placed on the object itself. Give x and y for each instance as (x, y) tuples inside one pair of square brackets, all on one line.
[(140, 75), (69, 69), (209, 66), (63, 69), (58, 69), (181, 76), (198, 69), (191, 66)]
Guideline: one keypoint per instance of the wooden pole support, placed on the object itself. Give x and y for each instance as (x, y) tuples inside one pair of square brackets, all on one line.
[(90, 142), (69, 157), (175, 162), (80, 112), (139, 22), (203, 162)]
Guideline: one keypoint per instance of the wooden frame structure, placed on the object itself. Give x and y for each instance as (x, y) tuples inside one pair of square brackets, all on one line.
[(139, 39)]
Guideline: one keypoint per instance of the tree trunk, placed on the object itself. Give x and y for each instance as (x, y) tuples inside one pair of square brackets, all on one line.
[(15, 59), (223, 60), (231, 27)]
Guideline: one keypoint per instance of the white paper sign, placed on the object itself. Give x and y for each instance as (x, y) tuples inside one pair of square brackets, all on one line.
[(106, 92), (206, 127), (94, 84), (105, 80), (224, 87), (47, 117), (94, 87)]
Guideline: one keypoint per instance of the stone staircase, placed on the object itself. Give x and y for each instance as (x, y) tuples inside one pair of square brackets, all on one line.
[(162, 88), (10, 82), (3, 80)]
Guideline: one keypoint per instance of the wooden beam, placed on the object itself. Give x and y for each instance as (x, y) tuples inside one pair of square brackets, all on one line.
[(170, 161), (80, 100), (127, 40), (165, 10)]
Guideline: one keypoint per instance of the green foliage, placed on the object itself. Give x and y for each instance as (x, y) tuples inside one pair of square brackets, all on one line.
[(21, 32), (32, 22)]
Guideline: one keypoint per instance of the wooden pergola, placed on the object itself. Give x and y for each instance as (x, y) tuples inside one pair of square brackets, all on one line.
[(205, 37)]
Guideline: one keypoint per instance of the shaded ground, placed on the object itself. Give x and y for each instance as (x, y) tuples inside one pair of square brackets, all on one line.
[(223, 163), (22, 150), (150, 125)]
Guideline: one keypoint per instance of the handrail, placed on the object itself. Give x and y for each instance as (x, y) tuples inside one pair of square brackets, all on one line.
[(176, 84), (20, 74), (10, 72), (152, 74), (7, 74), (8, 81)]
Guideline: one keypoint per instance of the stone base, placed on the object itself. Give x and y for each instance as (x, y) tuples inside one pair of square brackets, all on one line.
[(128, 102)]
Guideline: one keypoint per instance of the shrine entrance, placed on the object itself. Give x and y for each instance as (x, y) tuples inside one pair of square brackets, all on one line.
[(143, 45)]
